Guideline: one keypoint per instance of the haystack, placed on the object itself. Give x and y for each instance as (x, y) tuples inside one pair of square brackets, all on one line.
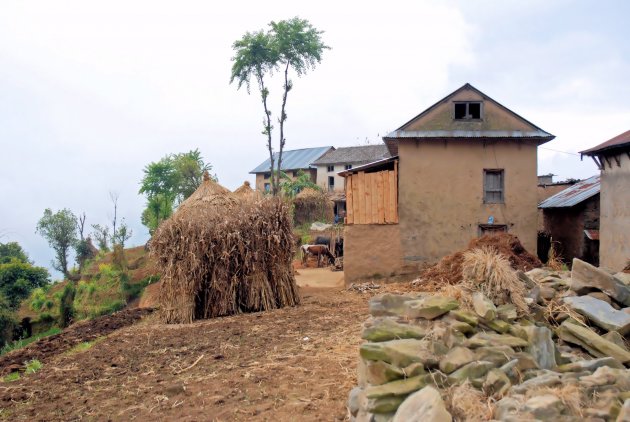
[(221, 255), (312, 205), (246, 192)]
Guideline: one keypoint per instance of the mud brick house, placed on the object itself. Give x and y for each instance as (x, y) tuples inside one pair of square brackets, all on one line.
[(571, 221), (613, 159), (463, 167), (292, 162)]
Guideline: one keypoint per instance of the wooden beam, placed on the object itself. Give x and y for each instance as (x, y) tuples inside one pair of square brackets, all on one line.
[(395, 191), (608, 161), (597, 163), (386, 207), (361, 197), (368, 198), (616, 157), (355, 198), (381, 197), (392, 197), (374, 190), (349, 213)]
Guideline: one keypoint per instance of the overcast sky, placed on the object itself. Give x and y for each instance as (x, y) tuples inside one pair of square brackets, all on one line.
[(90, 92)]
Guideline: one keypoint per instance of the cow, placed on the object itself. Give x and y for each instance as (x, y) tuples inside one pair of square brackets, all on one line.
[(319, 251)]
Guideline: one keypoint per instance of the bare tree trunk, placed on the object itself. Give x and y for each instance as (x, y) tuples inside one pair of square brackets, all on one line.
[(267, 124), (81, 225), (283, 116), (114, 197)]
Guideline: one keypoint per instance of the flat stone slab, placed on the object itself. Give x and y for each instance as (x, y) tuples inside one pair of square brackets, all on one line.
[(384, 329), (425, 405), (398, 352), (585, 278), (492, 339), (600, 313), (595, 344)]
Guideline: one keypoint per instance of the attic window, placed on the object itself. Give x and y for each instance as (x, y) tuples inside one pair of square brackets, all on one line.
[(468, 111)]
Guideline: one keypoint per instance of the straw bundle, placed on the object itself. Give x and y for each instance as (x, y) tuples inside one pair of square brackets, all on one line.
[(312, 205), (220, 255), (246, 192)]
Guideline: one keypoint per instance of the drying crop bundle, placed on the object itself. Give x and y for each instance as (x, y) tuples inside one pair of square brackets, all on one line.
[(222, 255)]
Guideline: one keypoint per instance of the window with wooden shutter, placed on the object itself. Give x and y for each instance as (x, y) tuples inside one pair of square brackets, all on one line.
[(493, 187)]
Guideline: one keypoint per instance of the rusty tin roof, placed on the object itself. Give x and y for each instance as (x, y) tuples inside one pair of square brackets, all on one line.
[(573, 195)]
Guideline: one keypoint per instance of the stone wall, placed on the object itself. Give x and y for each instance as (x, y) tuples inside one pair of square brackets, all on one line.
[(427, 358)]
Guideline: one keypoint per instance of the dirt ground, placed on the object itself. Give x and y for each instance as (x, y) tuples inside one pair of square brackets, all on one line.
[(288, 364)]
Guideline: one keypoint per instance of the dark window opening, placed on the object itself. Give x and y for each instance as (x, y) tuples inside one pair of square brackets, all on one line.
[(493, 187), (296, 173), (348, 166), (331, 182), (267, 187), (267, 176), (331, 169), (467, 111)]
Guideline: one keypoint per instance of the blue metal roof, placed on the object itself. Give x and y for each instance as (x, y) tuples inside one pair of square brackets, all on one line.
[(294, 159), (573, 195)]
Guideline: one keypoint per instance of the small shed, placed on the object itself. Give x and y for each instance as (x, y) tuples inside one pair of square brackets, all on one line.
[(571, 220)]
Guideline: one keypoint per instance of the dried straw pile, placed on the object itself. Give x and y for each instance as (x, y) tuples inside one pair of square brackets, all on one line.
[(246, 192), (221, 255), (449, 269), (312, 205)]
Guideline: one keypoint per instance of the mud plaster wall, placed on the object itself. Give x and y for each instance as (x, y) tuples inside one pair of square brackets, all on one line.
[(547, 191), (614, 243), (260, 177), (567, 225), (441, 194), (371, 251)]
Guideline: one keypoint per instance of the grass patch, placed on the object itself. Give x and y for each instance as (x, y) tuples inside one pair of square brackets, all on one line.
[(33, 366), (13, 376), (84, 346), (18, 344)]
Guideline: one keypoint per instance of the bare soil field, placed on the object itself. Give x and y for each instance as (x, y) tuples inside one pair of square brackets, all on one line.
[(287, 364)]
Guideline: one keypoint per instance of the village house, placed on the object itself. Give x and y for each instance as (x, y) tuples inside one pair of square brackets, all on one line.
[(464, 167), (613, 159), (571, 222), (344, 158), (335, 160), (293, 161)]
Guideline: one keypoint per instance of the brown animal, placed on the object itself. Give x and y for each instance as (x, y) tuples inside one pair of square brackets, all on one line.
[(319, 251)]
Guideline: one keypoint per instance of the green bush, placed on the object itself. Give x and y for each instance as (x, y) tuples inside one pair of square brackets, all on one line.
[(66, 305)]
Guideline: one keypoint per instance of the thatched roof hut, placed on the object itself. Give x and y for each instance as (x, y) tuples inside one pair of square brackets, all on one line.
[(222, 255), (246, 192), (312, 205)]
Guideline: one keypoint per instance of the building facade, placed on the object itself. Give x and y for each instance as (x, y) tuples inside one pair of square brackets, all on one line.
[(466, 166), (613, 159)]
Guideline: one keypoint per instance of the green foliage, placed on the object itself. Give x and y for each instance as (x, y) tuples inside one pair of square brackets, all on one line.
[(38, 299), (60, 230), (10, 251), (33, 366), (292, 187), (292, 44), (18, 279), (83, 252), (18, 344), (101, 235), (13, 376), (168, 182), (103, 294), (8, 322), (66, 305)]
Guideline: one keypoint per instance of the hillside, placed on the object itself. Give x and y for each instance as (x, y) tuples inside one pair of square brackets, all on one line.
[(103, 288)]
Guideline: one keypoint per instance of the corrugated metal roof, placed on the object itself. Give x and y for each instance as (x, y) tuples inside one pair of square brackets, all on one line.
[(397, 134), (368, 166), (354, 155), (619, 141), (573, 195), (293, 159)]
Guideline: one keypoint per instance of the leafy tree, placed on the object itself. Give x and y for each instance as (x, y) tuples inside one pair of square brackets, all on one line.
[(18, 279), (8, 321), (289, 44), (60, 230), (302, 181), (12, 250), (101, 235), (168, 182)]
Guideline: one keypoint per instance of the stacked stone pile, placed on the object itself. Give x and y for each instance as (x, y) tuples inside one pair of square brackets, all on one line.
[(429, 357)]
